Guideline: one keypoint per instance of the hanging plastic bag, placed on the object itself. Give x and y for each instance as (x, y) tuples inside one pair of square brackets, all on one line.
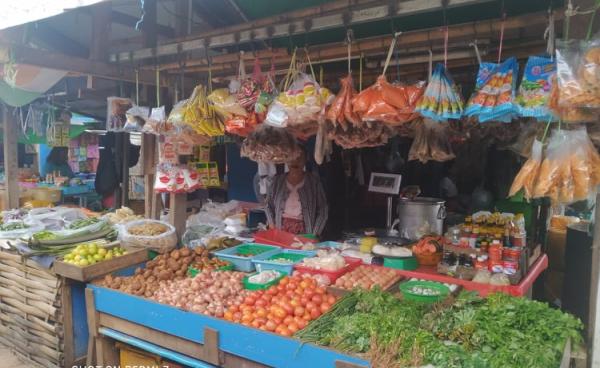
[(226, 104), (527, 176), (534, 91), (340, 111), (494, 95), (270, 144), (441, 100), (578, 72), (136, 118), (431, 143), (116, 113)]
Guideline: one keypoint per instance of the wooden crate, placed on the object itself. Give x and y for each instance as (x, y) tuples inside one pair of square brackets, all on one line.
[(91, 272), (31, 316)]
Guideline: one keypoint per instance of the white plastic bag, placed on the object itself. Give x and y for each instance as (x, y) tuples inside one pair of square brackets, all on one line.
[(161, 243)]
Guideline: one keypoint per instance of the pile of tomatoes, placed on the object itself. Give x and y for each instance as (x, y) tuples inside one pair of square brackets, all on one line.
[(284, 308)]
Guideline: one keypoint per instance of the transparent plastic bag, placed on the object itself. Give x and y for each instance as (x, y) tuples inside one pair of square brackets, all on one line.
[(526, 177), (431, 143), (548, 181), (162, 242), (116, 113), (226, 104), (578, 73), (32, 227)]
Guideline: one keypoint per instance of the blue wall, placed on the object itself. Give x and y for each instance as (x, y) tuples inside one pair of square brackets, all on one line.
[(240, 175)]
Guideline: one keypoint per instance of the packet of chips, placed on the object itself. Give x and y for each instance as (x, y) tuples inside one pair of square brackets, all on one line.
[(534, 92), (441, 100)]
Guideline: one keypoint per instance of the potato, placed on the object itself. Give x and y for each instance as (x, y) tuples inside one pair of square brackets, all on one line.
[(174, 265), (164, 275), (185, 252), (180, 273), (175, 254)]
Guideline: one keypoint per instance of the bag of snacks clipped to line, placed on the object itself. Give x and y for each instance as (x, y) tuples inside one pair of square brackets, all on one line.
[(150, 234), (534, 92), (441, 100), (494, 94), (578, 73)]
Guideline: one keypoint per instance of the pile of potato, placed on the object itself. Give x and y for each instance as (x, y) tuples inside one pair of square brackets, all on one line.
[(168, 266)]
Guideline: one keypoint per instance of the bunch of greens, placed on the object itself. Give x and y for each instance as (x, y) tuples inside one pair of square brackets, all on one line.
[(81, 223), (500, 331), (16, 225)]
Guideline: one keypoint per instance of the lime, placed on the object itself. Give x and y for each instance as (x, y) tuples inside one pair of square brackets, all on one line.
[(109, 255), (78, 257), (93, 248), (83, 263), (102, 252), (83, 252), (97, 257)]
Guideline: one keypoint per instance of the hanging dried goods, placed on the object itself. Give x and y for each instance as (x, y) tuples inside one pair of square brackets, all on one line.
[(270, 144), (431, 142)]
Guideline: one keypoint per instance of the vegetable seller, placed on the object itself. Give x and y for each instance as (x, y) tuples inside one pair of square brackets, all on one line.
[(296, 202), (58, 161)]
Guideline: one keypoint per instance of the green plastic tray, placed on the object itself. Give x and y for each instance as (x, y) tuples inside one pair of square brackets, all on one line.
[(252, 249), (409, 295), (251, 286), (407, 263), (193, 272)]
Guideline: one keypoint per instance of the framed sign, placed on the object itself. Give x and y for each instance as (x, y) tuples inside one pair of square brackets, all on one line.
[(385, 183)]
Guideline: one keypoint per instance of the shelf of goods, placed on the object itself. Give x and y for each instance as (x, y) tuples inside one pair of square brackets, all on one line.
[(522, 288), (198, 337)]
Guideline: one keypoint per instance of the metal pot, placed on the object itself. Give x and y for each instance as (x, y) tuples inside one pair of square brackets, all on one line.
[(420, 216)]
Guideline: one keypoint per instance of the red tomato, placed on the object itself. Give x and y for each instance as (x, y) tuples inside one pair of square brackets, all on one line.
[(331, 299), (279, 312), (321, 290), (270, 325), (293, 285), (272, 291), (310, 306), (298, 311), (309, 293), (301, 322), (278, 329), (285, 331), (304, 284), (261, 320), (255, 324), (261, 312), (315, 313), (290, 294), (284, 280), (325, 307), (228, 316), (317, 299), (250, 300), (260, 302), (237, 316), (247, 318), (293, 327), (295, 302), (234, 308), (280, 287), (288, 319), (304, 301)]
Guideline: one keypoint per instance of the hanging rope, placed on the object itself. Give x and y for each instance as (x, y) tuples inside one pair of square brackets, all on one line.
[(445, 46), (321, 75), (569, 12), (550, 35), (312, 71), (137, 87), (157, 86), (476, 48), (349, 35), (360, 71), (390, 52), (501, 37), (430, 66)]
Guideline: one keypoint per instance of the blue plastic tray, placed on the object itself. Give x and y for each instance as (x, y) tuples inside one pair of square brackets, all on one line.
[(245, 264), (329, 244), (263, 263)]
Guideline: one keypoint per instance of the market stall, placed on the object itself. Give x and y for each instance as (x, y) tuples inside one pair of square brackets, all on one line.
[(418, 126)]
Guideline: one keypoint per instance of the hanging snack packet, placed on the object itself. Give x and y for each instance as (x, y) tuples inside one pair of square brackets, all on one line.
[(441, 100), (527, 176), (578, 72), (534, 91), (495, 92)]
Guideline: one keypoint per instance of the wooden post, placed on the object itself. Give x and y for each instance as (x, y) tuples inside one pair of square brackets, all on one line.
[(67, 315), (11, 164), (178, 212), (149, 170), (92, 321)]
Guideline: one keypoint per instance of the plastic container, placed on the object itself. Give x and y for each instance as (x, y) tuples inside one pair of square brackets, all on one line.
[(406, 263), (251, 286), (351, 263), (279, 238), (329, 244), (235, 256), (295, 256), (406, 287)]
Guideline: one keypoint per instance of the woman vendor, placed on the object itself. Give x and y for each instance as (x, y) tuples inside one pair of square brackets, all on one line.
[(296, 202), (58, 161)]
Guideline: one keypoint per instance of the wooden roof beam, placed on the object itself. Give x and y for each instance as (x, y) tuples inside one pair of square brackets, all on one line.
[(346, 13), (488, 28), (48, 59)]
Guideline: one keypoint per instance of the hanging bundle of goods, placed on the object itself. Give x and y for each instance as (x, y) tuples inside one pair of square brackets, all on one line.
[(392, 104), (494, 96), (431, 142), (567, 170), (302, 102), (441, 100), (534, 92), (270, 144), (244, 104), (200, 115)]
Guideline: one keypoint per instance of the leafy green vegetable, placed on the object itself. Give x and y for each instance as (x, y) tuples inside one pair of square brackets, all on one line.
[(78, 224), (13, 226), (500, 331)]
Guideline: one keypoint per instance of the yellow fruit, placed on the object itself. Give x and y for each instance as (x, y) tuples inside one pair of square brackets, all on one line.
[(97, 257), (83, 263), (109, 255), (102, 252)]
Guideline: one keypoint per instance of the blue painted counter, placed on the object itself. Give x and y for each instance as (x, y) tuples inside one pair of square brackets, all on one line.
[(246, 342)]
